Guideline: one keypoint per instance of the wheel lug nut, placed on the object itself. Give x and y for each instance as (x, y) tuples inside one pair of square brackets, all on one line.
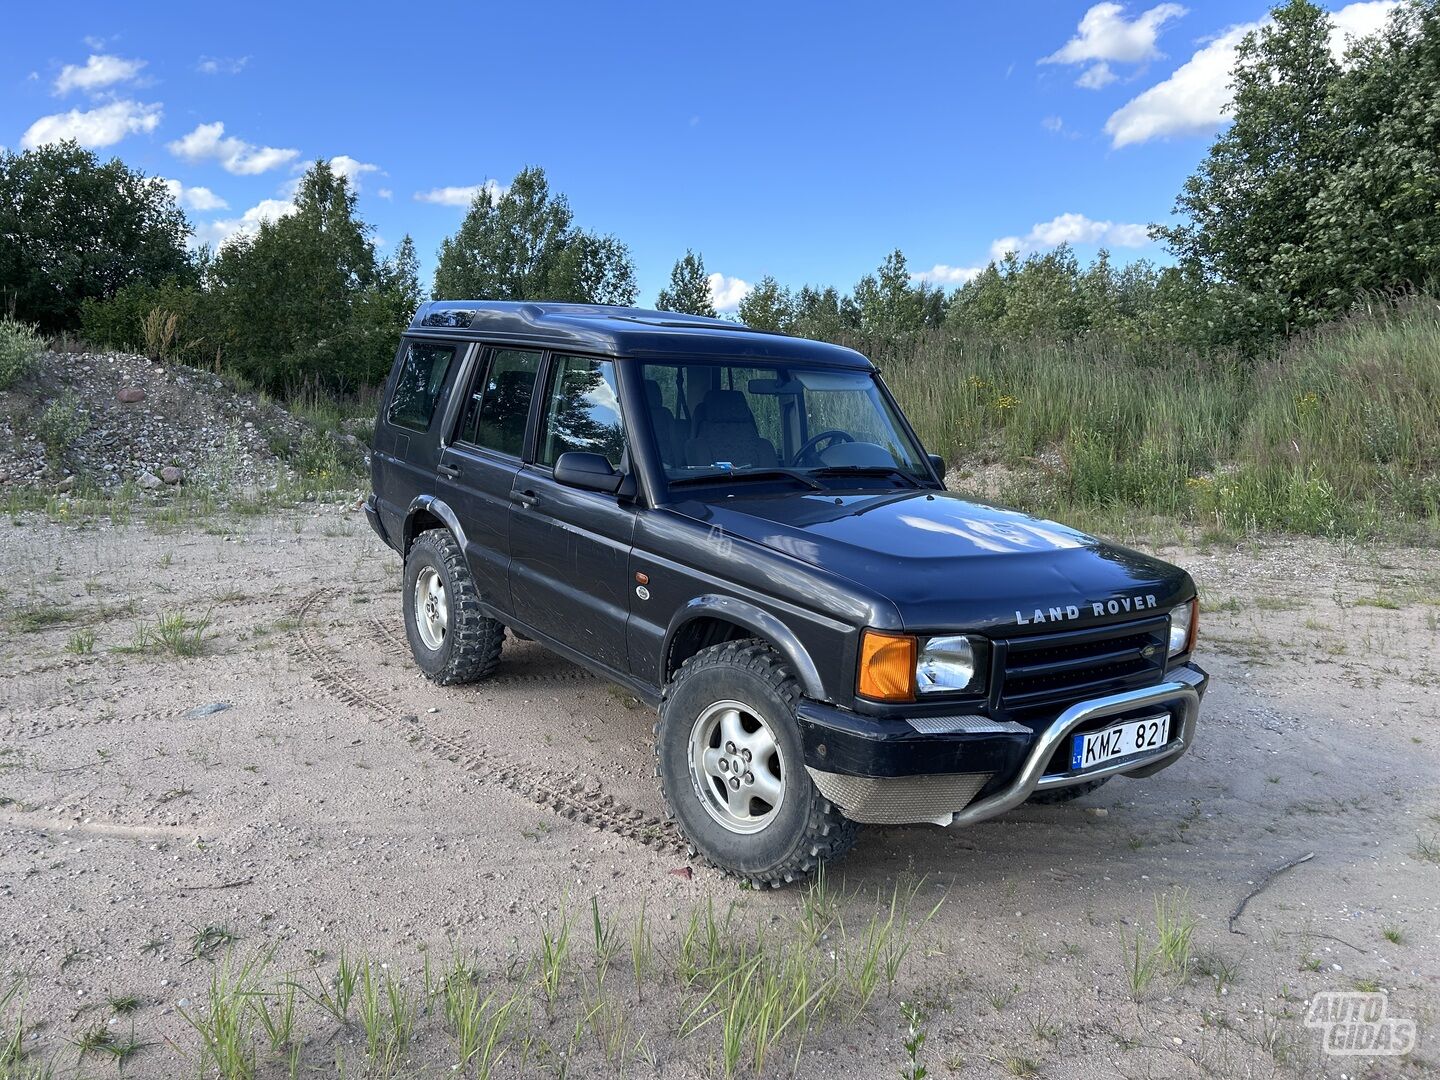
[(745, 754), (730, 748), (724, 765), (749, 778), (735, 782)]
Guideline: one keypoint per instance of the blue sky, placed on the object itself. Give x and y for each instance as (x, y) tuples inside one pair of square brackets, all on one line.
[(804, 141)]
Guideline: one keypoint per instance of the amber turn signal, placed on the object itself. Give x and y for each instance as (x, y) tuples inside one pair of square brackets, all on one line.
[(887, 667)]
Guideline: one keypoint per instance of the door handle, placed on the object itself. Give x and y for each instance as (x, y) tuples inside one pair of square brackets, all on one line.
[(446, 469), (525, 498)]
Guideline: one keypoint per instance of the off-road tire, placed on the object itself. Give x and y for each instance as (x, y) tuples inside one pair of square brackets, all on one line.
[(1052, 796), (471, 649), (808, 829)]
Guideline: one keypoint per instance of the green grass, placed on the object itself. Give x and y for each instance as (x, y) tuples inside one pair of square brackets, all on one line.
[(388, 1010), (81, 643), (1172, 952), (175, 633), (1287, 443), (38, 617), (737, 991), (206, 940)]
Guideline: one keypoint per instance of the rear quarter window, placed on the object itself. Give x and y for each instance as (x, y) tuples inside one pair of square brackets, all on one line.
[(418, 383)]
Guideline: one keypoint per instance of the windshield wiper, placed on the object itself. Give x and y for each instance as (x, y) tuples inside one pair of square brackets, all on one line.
[(749, 474), (866, 470)]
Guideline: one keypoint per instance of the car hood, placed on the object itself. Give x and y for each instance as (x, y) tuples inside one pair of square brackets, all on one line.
[(948, 562)]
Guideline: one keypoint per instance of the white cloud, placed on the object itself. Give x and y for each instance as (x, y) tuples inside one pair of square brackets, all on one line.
[(221, 65), (1053, 123), (727, 292), (459, 196), (1193, 99), (385, 193), (98, 72), (1071, 229), (1105, 34), (1096, 77), (208, 142), (1357, 20), (940, 274), (194, 198), (222, 230), (346, 166), (102, 126)]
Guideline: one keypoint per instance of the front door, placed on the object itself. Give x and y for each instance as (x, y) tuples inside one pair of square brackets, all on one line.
[(477, 469), (570, 565)]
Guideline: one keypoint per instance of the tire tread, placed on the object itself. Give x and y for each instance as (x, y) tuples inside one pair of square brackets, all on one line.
[(475, 639), (827, 834)]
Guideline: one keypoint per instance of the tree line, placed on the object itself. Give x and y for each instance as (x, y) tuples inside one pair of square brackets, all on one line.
[(1323, 190)]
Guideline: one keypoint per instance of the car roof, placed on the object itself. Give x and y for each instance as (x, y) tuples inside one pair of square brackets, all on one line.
[(624, 331)]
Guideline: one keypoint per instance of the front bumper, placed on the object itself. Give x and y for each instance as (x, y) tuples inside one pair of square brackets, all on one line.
[(962, 769)]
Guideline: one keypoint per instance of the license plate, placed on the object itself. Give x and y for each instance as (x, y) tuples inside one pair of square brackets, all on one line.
[(1135, 737)]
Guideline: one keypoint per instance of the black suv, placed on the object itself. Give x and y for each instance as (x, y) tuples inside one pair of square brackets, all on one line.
[(742, 529)]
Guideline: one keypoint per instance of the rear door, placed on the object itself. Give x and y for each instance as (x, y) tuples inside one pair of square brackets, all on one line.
[(406, 447), (570, 571), (477, 468)]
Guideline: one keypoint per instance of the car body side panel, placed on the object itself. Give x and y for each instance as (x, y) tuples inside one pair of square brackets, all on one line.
[(689, 570), (569, 566), (403, 459), (479, 492)]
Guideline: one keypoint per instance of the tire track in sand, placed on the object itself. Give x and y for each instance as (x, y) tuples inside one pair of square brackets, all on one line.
[(565, 794)]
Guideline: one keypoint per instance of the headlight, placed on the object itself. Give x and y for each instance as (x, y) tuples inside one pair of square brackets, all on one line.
[(897, 667), (1182, 628), (946, 664)]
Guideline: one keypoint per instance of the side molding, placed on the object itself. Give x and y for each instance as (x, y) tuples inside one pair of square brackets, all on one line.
[(764, 624)]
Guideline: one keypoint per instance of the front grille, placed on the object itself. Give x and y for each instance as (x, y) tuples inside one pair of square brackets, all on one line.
[(1049, 669)]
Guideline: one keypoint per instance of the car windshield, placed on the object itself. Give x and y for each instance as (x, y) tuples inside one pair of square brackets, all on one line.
[(821, 428)]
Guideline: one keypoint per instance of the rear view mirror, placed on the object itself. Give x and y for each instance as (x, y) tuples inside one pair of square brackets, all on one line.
[(592, 472), (938, 464)]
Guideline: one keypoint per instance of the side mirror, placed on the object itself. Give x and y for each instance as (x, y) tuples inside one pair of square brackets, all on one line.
[(592, 472), (938, 464)]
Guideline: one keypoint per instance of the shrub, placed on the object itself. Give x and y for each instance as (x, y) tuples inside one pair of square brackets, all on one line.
[(20, 349), (126, 320), (62, 422)]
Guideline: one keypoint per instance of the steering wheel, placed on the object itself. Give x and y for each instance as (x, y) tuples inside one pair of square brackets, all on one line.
[(812, 444)]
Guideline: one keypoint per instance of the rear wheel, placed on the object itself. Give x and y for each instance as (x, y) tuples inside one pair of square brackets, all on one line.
[(452, 640), (732, 767), (1051, 796)]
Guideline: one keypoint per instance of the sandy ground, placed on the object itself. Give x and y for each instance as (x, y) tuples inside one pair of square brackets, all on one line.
[(338, 803)]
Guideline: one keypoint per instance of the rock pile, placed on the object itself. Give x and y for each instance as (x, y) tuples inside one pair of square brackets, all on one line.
[(102, 419)]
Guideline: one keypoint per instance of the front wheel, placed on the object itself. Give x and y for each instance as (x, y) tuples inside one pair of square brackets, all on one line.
[(732, 767)]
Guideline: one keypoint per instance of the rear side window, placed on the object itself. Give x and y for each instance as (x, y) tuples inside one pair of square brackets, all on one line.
[(499, 405), (418, 384), (583, 411)]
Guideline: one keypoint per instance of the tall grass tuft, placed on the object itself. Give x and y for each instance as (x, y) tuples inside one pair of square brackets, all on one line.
[(1337, 432)]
